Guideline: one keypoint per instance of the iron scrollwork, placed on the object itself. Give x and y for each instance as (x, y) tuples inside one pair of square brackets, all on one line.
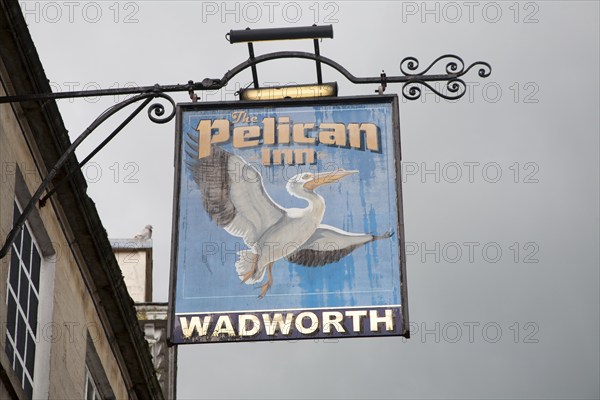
[(156, 111), (454, 68)]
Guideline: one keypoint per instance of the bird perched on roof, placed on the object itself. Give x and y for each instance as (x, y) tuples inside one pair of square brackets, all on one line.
[(235, 198), (146, 233)]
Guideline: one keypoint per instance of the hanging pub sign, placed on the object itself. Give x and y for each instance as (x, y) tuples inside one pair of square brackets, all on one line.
[(288, 221)]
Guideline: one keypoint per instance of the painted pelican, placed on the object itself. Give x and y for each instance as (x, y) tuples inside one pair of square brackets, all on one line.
[(234, 196)]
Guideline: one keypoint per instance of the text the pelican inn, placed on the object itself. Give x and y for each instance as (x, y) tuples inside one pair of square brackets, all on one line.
[(319, 251), (250, 132)]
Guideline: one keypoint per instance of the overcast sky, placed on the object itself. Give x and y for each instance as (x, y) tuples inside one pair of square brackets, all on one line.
[(502, 240)]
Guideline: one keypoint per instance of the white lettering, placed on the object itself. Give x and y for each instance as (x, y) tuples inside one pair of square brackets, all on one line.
[(271, 326), (376, 320), (195, 324), (314, 322), (224, 326)]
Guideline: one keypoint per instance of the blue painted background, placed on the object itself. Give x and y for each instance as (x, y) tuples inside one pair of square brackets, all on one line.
[(364, 202)]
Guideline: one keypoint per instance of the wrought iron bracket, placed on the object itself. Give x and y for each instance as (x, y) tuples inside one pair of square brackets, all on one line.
[(412, 81), (156, 113), (455, 69)]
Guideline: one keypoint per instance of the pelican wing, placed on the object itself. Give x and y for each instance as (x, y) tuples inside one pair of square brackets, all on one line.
[(329, 244), (233, 193)]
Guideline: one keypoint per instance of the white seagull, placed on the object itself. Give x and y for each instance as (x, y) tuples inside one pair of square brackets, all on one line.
[(234, 196), (146, 233)]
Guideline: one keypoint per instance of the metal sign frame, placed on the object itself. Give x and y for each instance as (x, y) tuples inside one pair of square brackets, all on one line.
[(261, 322)]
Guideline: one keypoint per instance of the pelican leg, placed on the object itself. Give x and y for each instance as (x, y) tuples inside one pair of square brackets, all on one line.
[(267, 286), (252, 270)]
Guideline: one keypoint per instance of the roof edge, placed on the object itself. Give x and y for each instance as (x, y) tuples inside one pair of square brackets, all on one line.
[(27, 75)]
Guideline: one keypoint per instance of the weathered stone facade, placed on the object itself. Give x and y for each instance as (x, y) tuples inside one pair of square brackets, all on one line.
[(86, 321), (135, 259)]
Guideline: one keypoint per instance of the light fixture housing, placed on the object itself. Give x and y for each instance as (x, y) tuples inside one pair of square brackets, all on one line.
[(329, 89), (293, 33)]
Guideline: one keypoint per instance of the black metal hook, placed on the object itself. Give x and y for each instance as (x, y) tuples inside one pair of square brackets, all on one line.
[(383, 85)]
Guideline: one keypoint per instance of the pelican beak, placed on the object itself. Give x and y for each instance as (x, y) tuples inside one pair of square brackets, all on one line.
[(323, 178)]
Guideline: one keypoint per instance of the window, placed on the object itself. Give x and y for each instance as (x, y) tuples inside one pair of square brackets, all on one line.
[(91, 389), (96, 384), (22, 298)]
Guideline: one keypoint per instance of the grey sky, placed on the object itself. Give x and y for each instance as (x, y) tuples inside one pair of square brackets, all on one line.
[(522, 323)]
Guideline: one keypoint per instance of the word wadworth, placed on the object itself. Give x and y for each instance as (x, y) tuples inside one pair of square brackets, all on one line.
[(273, 220)]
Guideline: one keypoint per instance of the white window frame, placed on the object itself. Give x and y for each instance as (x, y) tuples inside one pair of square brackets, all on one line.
[(41, 363), (95, 393)]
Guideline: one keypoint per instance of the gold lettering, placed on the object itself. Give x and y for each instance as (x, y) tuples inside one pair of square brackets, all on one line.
[(242, 134), (283, 130), (266, 156), (286, 154), (333, 134), (237, 116), (370, 131), (206, 138), (304, 156), (269, 131), (242, 117), (363, 136), (299, 133)]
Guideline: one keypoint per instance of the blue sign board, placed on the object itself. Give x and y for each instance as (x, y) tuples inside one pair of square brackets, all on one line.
[(288, 221)]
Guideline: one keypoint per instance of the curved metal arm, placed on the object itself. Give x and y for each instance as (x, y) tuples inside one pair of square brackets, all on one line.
[(455, 70), (156, 113), (452, 69), (456, 87)]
